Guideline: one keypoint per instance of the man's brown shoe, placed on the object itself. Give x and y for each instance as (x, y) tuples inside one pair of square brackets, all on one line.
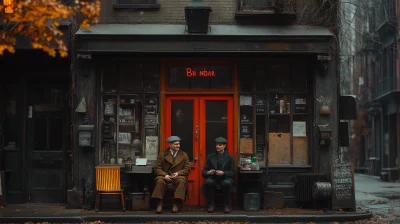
[(159, 208), (175, 208), (211, 209), (227, 209)]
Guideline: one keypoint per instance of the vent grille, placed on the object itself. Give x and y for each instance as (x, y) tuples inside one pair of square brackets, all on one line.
[(304, 185)]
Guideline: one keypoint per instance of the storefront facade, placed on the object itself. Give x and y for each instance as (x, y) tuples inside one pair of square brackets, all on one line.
[(263, 91)]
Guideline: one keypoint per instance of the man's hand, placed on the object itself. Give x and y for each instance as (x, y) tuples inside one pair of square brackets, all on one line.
[(211, 172), (174, 175), (219, 172), (168, 178)]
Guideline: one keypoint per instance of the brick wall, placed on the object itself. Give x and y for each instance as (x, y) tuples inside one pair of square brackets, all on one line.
[(171, 12), (223, 12)]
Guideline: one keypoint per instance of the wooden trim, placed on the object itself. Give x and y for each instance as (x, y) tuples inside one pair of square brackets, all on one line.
[(162, 107), (192, 61), (235, 112), (236, 107), (203, 92)]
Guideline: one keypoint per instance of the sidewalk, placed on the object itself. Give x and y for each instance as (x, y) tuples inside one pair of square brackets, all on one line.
[(377, 197), (54, 213)]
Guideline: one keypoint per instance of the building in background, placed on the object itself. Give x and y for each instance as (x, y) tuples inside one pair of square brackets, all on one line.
[(369, 70)]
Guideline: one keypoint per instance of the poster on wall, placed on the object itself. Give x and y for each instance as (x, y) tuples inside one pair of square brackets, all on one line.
[(151, 147), (299, 129)]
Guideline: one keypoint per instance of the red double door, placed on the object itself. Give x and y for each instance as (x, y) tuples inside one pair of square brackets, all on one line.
[(198, 121)]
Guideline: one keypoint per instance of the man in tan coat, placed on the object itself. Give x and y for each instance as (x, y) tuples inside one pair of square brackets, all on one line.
[(172, 168)]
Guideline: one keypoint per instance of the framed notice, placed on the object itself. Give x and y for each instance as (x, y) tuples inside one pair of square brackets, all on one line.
[(299, 129)]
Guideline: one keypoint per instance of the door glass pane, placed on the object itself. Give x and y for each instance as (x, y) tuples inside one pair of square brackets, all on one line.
[(11, 124), (182, 124), (40, 132), (56, 132), (216, 122)]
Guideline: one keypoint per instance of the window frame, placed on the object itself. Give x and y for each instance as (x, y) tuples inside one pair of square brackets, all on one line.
[(267, 94), (137, 95), (134, 4), (266, 7)]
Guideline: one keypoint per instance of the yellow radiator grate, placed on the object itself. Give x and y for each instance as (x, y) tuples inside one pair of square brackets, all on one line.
[(108, 178)]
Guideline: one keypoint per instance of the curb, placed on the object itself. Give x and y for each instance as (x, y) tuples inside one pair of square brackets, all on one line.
[(136, 219)]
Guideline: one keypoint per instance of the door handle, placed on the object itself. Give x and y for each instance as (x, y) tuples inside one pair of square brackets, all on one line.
[(197, 133), (196, 158)]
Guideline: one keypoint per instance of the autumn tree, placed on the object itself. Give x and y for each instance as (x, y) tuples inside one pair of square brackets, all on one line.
[(39, 21)]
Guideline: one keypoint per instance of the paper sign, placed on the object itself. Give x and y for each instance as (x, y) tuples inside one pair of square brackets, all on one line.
[(141, 162), (246, 145), (299, 129), (151, 147)]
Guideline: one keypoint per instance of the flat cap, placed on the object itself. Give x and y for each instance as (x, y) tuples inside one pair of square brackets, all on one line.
[(172, 139), (220, 140)]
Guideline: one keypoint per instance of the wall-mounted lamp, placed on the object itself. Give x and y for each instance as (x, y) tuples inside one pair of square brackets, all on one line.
[(82, 108)]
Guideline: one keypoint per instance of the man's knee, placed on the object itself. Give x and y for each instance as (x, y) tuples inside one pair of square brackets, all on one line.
[(210, 183), (226, 184), (180, 181), (160, 182)]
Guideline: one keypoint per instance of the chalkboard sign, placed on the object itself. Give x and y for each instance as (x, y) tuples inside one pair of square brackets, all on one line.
[(342, 179)]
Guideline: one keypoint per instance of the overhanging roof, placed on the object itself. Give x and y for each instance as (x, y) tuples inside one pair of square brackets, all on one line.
[(220, 38)]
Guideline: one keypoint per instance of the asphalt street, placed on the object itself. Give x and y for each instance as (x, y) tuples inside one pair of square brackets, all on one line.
[(380, 198)]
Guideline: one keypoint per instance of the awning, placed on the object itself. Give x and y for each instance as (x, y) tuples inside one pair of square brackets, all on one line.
[(220, 38)]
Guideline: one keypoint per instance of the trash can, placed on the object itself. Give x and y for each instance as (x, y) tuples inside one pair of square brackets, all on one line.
[(251, 202)]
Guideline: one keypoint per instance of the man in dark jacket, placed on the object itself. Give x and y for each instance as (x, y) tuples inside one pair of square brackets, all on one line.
[(172, 167), (219, 172)]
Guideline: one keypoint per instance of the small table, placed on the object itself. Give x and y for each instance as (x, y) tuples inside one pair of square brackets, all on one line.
[(143, 170), (251, 178)]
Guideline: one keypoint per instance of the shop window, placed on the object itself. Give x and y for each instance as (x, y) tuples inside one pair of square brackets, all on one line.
[(200, 77), (129, 125), (279, 109)]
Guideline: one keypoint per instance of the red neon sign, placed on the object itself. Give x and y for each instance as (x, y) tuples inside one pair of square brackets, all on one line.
[(190, 72)]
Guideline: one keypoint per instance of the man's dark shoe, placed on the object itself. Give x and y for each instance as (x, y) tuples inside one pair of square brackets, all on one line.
[(159, 207), (211, 208), (175, 208), (227, 209)]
